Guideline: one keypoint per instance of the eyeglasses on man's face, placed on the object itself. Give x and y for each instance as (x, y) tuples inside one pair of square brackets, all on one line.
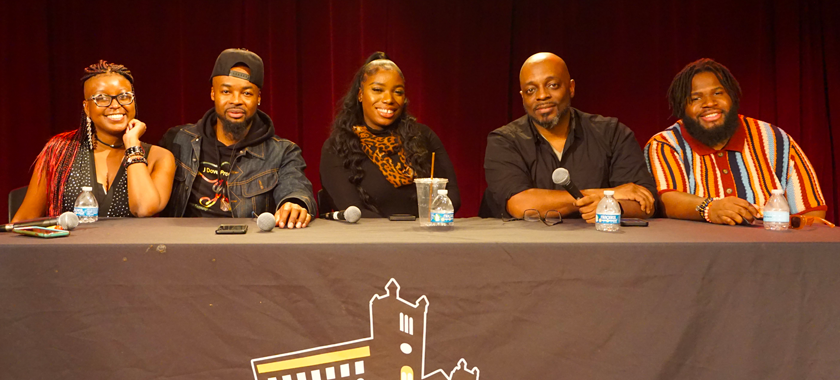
[(105, 100), (551, 217)]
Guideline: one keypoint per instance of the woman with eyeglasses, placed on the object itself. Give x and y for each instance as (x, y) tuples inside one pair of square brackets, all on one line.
[(128, 177), (376, 149)]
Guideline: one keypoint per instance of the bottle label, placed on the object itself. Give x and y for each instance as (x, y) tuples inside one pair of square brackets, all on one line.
[(86, 212), (442, 217), (608, 218), (777, 216)]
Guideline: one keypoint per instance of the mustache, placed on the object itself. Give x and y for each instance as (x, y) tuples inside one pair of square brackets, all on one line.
[(538, 105), (238, 108)]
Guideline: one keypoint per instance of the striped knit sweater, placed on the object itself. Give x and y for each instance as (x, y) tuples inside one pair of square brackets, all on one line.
[(758, 158)]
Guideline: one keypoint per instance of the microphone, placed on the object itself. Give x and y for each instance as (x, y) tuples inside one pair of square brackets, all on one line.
[(266, 221), (67, 221), (351, 215), (562, 178)]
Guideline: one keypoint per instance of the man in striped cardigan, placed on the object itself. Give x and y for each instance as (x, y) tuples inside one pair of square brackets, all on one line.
[(719, 166)]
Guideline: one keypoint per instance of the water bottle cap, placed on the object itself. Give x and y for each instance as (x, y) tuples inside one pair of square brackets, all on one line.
[(777, 191), (443, 192), (609, 192), (87, 188)]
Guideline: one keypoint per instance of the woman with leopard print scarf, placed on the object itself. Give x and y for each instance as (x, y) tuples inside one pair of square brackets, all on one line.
[(376, 149)]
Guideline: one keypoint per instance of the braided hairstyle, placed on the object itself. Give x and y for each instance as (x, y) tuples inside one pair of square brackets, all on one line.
[(680, 90), (57, 157), (346, 144)]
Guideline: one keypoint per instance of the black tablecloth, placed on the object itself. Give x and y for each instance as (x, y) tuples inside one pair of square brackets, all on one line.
[(167, 298)]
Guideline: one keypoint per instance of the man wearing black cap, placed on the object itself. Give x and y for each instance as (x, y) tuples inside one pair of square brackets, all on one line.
[(230, 163)]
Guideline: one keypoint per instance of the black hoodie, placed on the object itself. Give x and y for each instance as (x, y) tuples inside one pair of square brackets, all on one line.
[(208, 197)]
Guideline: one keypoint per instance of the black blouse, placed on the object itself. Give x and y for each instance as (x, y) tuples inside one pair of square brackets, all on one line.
[(113, 203), (388, 199)]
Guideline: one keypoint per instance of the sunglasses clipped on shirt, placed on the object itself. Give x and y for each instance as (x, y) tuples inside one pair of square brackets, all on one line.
[(552, 217)]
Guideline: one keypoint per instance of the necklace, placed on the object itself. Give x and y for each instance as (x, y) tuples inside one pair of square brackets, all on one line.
[(115, 146)]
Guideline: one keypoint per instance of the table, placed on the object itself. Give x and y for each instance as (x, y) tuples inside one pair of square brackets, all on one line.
[(167, 298)]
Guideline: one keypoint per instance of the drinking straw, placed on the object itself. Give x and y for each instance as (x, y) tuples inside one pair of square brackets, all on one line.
[(432, 175), (431, 185)]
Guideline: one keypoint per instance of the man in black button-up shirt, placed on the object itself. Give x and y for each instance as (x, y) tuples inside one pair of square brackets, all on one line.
[(599, 152)]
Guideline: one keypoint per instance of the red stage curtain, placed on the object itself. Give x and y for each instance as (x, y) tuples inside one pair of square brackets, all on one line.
[(461, 60)]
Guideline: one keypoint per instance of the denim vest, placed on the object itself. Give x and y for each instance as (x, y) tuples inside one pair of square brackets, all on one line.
[(262, 176)]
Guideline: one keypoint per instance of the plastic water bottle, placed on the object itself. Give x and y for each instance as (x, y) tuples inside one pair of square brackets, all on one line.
[(608, 214), (443, 213), (777, 212), (86, 207)]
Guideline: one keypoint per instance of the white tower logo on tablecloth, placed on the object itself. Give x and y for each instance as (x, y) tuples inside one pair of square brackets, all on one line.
[(395, 350)]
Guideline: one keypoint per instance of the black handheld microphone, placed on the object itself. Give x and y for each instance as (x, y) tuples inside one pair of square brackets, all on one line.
[(67, 221), (561, 177), (351, 215)]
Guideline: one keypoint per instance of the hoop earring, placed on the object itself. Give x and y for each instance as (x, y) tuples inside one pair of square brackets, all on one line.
[(91, 142)]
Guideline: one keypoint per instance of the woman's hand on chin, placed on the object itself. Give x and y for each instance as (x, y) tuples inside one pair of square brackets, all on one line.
[(133, 131)]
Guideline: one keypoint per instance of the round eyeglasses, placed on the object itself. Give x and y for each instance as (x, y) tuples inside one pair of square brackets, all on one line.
[(105, 100)]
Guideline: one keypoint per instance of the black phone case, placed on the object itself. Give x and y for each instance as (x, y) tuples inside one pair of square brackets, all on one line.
[(634, 223), (232, 229)]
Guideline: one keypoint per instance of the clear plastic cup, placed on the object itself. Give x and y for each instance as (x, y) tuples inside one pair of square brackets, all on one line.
[(426, 191)]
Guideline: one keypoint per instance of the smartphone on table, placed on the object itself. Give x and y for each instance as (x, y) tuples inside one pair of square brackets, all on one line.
[(226, 229), (633, 222), (401, 218), (41, 232)]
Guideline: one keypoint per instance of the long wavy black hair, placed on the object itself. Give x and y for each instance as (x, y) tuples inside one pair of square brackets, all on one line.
[(344, 142)]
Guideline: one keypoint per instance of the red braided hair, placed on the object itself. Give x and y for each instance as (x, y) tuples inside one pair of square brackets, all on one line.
[(57, 157), (55, 161)]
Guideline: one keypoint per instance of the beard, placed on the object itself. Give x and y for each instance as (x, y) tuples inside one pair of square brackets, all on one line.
[(549, 123), (236, 129), (717, 135)]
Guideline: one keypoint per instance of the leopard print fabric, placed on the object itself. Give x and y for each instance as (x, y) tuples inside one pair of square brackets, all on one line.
[(381, 150)]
